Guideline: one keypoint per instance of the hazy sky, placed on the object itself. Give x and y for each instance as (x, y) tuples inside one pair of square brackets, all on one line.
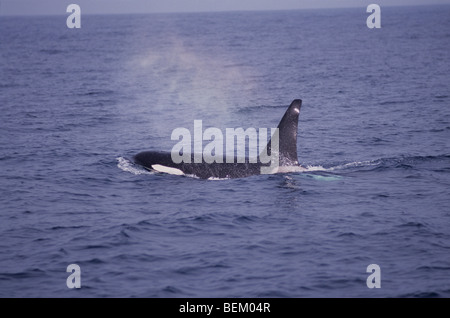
[(26, 7)]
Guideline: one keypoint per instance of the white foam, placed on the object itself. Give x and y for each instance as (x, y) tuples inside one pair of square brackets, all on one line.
[(217, 178), (287, 169), (126, 165), (314, 168), (355, 164)]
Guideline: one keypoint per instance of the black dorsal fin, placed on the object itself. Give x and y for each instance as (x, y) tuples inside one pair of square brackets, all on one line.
[(287, 130)]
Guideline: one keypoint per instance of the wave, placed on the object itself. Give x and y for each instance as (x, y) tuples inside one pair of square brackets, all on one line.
[(128, 166), (355, 164), (309, 168), (404, 162)]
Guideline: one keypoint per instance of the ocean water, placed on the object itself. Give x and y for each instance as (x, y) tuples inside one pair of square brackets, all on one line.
[(374, 128)]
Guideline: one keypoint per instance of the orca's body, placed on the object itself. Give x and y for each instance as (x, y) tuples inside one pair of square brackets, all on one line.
[(288, 161)]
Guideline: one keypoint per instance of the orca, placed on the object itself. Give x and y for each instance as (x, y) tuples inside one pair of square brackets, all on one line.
[(287, 152)]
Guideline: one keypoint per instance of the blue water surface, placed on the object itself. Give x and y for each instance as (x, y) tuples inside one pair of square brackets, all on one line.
[(374, 128)]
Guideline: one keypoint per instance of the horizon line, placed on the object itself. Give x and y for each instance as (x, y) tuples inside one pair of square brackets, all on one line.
[(216, 11)]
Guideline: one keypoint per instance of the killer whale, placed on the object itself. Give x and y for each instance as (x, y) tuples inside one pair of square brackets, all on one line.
[(287, 152)]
